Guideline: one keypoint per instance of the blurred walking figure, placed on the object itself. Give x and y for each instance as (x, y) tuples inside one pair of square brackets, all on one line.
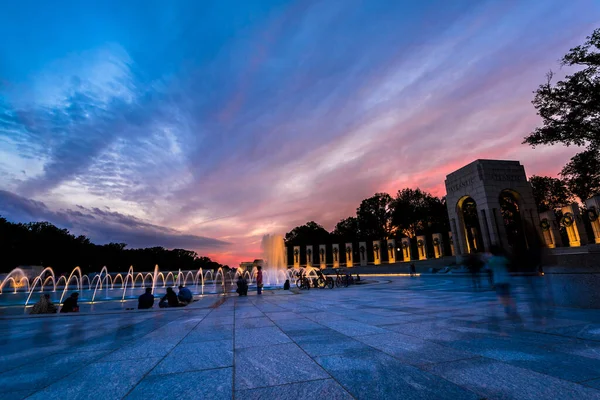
[(413, 269), (498, 264), (474, 264)]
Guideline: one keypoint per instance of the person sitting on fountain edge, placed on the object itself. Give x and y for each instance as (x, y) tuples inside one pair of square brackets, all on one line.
[(146, 300), (44, 306), (170, 299), (185, 296), (70, 304), (242, 286)]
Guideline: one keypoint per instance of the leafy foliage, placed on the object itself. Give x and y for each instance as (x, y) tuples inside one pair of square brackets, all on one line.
[(41, 243), (549, 193), (582, 174), (570, 109), (374, 216)]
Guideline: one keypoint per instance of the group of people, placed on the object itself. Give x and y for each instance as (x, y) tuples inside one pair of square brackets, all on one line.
[(170, 299), (242, 283), (145, 301), (45, 305)]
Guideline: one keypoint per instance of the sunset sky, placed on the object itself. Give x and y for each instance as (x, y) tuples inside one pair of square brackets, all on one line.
[(206, 124)]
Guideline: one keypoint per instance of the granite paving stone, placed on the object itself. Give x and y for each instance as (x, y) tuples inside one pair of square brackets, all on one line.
[(413, 351), (373, 374), (425, 337), (118, 378), (205, 333), (208, 384), (45, 371), (196, 356), (320, 389), (274, 365), (261, 337), (496, 380)]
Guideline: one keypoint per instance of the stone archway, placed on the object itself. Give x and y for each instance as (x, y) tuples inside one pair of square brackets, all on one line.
[(466, 209), (484, 181)]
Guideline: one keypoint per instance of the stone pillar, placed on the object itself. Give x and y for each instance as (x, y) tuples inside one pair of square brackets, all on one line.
[(285, 257), (406, 256), (362, 253), (451, 242), (391, 249), (309, 256), (593, 213), (460, 236), (335, 248), (296, 256), (349, 255), (377, 252), (323, 256), (571, 220), (485, 234), (549, 228), (438, 245), (421, 249)]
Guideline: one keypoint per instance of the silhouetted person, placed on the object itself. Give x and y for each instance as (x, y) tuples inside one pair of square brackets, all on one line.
[(286, 285), (43, 306), (185, 296), (70, 304), (357, 278), (259, 280), (170, 299), (242, 286), (146, 300), (413, 269)]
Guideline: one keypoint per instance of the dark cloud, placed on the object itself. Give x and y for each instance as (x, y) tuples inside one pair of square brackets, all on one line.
[(102, 225)]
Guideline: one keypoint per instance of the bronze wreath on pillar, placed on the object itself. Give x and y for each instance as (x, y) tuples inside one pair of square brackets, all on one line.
[(567, 220)]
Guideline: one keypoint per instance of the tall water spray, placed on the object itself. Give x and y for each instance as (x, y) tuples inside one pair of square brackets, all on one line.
[(273, 249)]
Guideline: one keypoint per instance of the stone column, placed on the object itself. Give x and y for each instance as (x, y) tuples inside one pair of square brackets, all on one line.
[(285, 257), (377, 252), (571, 220), (296, 256), (362, 253), (451, 242), (391, 249), (335, 248), (460, 236), (323, 256), (438, 245), (349, 255), (593, 213), (406, 256), (549, 228), (309, 256), (421, 249), (485, 228)]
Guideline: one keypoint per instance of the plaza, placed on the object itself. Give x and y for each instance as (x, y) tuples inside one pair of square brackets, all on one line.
[(393, 337)]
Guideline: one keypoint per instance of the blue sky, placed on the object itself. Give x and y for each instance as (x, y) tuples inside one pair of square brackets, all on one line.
[(207, 124)]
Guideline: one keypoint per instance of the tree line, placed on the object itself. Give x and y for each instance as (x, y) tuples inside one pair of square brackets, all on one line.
[(42, 243), (410, 213)]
